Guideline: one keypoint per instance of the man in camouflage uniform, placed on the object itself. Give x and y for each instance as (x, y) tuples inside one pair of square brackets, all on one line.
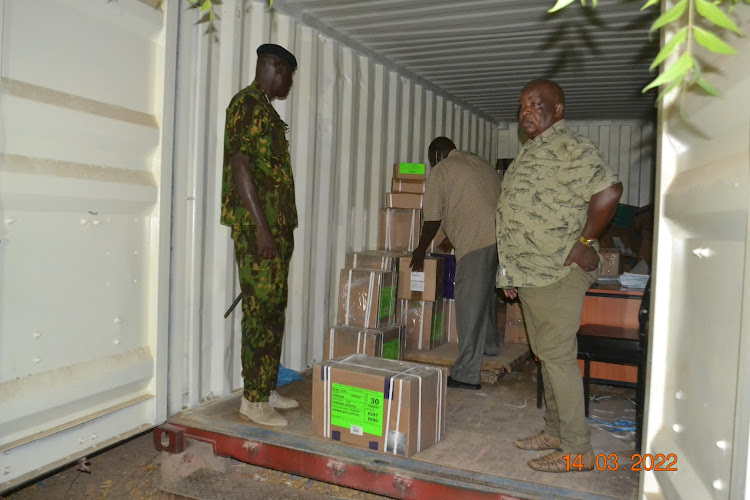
[(258, 204), (557, 197)]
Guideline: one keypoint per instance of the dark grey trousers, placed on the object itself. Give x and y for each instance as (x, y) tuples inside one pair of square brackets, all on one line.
[(476, 312)]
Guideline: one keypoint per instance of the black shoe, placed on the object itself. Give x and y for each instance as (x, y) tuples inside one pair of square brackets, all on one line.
[(462, 385), (492, 351)]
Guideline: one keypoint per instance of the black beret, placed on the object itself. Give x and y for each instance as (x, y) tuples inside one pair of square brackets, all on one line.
[(278, 51)]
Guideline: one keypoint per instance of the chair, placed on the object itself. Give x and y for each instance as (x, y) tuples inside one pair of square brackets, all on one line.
[(621, 346)]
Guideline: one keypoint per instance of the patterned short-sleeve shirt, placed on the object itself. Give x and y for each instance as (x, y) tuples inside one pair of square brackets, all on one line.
[(544, 203), (254, 128)]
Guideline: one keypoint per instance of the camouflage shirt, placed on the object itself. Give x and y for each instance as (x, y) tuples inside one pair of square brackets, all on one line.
[(254, 129), (543, 205)]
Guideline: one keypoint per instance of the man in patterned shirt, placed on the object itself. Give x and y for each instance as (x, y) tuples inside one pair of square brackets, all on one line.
[(461, 194), (558, 195), (258, 204)]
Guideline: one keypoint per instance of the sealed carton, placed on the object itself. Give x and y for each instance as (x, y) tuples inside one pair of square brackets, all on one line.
[(612, 262), (399, 229), (380, 260), (344, 340), (439, 238), (366, 298), (449, 313), (403, 200), (407, 186), (421, 285), (515, 329), (379, 404), (415, 171), (424, 323)]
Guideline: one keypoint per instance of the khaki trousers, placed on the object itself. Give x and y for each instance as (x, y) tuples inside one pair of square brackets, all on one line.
[(553, 316)]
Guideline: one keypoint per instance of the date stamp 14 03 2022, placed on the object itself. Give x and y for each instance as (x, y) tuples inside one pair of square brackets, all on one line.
[(646, 462)]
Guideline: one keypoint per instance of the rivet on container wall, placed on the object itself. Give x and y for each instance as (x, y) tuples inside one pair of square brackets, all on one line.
[(6, 471), (84, 222), (680, 395), (117, 320), (9, 220), (135, 252), (37, 335), (116, 342), (677, 428), (703, 253), (81, 440), (722, 445), (718, 484), (36, 359), (97, 222)]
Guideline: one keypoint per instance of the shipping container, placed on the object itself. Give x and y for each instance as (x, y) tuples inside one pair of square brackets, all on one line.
[(116, 272)]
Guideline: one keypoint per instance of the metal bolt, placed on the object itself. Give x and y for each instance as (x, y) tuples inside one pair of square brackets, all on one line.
[(37, 335), (93, 436), (81, 440), (680, 395), (6, 471), (135, 252), (718, 484), (9, 220), (722, 445), (117, 320), (84, 222), (116, 341), (703, 253), (36, 359), (677, 428), (97, 222)]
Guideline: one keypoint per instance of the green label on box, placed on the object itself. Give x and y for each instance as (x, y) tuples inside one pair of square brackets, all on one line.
[(386, 302), (390, 349), (359, 410), (437, 326), (411, 168)]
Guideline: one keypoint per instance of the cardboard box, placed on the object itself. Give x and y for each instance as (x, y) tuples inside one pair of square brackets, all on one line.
[(423, 285), (379, 260), (424, 323), (399, 229), (403, 200), (415, 171), (341, 340), (449, 315), (379, 404), (449, 273), (515, 329), (407, 186), (366, 298), (612, 262)]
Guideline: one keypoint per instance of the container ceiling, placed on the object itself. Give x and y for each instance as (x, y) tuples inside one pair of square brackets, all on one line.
[(482, 52)]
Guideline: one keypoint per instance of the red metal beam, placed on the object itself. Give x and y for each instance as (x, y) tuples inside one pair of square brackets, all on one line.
[(318, 467)]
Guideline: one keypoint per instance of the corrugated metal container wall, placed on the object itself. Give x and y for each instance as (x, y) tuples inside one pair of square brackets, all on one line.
[(629, 146), (350, 119)]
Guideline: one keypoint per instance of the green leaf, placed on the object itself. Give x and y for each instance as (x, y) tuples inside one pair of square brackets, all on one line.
[(674, 72), (716, 15), (668, 90), (206, 5), (707, 86), (669, 47), (671, 15), (561, 4), (712, 42), (649, 4)]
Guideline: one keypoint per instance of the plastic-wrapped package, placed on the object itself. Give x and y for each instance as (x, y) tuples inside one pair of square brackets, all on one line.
[(423, 323), (399, 229), (421, 285), (379, 260), (367, 298), (408, 186), (341, 340)]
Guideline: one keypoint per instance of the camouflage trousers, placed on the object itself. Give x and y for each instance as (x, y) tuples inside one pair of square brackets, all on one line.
[(264, 298)]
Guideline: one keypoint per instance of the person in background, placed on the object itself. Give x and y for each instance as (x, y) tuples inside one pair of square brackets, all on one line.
[(461, 193), (558, 195), (258, 204)]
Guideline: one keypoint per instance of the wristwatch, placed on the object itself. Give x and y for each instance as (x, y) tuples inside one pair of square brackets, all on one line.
[(588, 242)]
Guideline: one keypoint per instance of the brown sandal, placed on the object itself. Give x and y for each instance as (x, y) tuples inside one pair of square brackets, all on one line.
[(562, 461), (541, 441)]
